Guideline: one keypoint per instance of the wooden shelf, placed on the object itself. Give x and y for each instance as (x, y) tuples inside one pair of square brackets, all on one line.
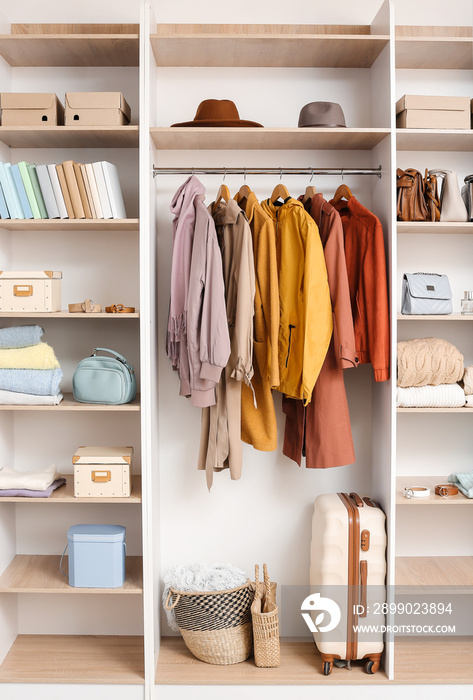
[(434, 660), (70, 404), (266, 45), (70, 136), (463, 409), (435, 317), (433, 500), (66, 225), (434, 227), (65, 494), (42, 574), (77, 659), (249, 138), (434, 139), (434, 571), (300, 665), (71, 45), (434, 47), (65, 314)]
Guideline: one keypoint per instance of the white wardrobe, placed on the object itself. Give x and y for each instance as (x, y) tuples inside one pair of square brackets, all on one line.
[(270, 61)]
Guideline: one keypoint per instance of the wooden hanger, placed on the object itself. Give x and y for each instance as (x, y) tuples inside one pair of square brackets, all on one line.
[(223, 193), (310, 191), (279, 191), (342, 191), (244, 191)]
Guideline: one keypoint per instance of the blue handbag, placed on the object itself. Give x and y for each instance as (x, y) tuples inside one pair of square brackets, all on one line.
[(108, 380)]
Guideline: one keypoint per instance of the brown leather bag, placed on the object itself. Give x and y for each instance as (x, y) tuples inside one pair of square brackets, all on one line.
[(431, 196), (410, 196)]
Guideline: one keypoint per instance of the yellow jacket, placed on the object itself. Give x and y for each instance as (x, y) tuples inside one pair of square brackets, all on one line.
[(258, 425), (305, 310)]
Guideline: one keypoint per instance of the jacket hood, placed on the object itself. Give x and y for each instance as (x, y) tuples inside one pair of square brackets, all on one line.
[(185, 195), (272, 209)]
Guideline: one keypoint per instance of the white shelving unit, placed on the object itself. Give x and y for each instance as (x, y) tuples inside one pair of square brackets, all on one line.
[(117, 642)]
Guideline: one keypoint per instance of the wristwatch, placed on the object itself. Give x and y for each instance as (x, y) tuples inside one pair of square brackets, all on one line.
[(87, 307), (120, 309)]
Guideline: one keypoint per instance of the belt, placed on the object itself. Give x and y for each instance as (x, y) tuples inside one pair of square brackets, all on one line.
[(86, 306), (446, 490), (120, 309), (416, 492)]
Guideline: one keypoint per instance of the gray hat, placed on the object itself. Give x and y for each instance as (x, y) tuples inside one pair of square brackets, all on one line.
[(325, 114)]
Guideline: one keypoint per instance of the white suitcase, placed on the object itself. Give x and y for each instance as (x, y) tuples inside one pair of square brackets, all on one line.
[(348, 564)]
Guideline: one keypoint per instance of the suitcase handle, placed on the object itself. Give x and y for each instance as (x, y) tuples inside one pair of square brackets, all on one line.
[(364, 586), (355, 497)]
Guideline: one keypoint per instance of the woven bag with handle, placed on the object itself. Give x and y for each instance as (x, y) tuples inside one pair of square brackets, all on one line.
[(264, 613)]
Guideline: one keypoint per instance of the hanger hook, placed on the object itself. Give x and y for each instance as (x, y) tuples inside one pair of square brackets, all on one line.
[(280, 174), (311, 174), (192, 171), (244, 175), (224, 174), (342, 174)]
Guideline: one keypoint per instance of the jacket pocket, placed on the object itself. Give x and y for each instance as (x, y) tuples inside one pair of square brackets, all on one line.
[(289, 342)]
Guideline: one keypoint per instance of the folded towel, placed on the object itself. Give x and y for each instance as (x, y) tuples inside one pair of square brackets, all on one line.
[(40, 356), (43, 382), (424, 361), (15, 398), (29, 493), (464, 481), (468, 380), (20, 336), (37, 480), (441, 396)]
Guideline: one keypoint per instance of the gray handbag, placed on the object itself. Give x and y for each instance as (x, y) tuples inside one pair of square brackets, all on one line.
[(425, 293)]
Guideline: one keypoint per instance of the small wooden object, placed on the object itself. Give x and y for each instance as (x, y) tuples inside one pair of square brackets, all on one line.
[(310, 191), (223, 193), (341, 192), (279, 191)]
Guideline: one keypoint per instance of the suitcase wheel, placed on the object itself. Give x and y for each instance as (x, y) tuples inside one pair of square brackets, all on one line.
[(327, 668), (371, 666)]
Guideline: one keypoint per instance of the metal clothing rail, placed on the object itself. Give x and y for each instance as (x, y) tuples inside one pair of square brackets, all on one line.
[(267, 171)]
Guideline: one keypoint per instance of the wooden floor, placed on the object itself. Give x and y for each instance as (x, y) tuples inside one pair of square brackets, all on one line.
[(37, 658), (416, 661)]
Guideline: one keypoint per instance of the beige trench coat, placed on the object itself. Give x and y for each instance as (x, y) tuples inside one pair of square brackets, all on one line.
[(220, 443)]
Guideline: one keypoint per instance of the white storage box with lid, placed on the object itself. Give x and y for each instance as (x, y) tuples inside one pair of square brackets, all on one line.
[(96, 556), (38, 291), (102, 472)]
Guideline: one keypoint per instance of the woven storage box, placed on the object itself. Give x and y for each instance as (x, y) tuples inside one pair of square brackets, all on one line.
[(215, 625), (264, 613)]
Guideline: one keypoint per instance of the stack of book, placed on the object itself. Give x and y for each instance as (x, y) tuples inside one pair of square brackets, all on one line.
[(66, 190)]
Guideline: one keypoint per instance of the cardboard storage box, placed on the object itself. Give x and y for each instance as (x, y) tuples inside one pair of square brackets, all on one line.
[(31, 109), (102, 472), (96, 109), (96, 556), (30, 291), (433, 112)]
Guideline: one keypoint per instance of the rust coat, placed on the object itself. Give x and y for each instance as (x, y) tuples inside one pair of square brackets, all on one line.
[(305, 314), (323, 428), (258, 424), (366, 264)]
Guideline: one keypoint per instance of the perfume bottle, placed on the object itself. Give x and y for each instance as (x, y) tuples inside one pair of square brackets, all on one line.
[(467, 303)]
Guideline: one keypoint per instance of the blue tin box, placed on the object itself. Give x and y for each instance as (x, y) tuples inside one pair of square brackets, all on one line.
[(96, 556)]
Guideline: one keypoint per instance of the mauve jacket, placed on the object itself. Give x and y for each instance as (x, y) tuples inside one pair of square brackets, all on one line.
[(366, 265), (197, 342), (322, 430)]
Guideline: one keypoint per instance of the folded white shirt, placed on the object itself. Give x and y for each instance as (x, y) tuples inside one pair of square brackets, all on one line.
[(440, 396), (37, 480), (18, 399)]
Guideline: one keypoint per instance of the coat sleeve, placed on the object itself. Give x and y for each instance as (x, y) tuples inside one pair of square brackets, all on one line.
[(214, 338), (242, 342), (375, 299), (317, 309), (266, 262), (343, 329)]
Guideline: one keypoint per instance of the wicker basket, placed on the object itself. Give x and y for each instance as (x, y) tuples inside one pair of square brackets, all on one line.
[(215, 625), (264, 613)]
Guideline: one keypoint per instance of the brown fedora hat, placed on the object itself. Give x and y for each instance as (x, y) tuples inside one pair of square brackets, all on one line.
[(322, 114), (217, 113)]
